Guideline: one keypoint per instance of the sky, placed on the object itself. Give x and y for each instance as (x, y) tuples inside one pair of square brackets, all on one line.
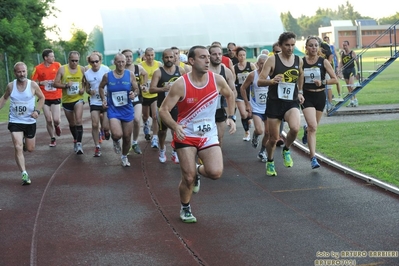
[(85, 14)]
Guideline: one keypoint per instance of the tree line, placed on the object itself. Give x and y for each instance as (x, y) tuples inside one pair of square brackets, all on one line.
[(23, 33), (305, 25)]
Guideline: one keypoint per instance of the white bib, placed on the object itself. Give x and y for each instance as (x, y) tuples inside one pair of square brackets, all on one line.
[(261, 96), (202, 127), (286, 90), (74, 89), (21, 108), (119, 98), (311, 74), (241, 77), (49, 86)]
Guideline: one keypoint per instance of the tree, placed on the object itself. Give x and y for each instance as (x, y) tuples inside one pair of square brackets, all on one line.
[(347, 12), (390, 20), (290, 23), (22, 31), (78, 42)]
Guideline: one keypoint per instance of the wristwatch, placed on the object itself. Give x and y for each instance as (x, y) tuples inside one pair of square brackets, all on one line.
[(232, 117), (37, 111)]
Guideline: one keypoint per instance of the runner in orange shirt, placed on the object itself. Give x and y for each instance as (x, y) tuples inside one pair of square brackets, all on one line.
[(44, 74)]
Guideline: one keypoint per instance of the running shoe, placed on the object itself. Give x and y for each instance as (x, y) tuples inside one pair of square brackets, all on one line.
[(247, 136), (175, 158), (280, 142), (107, 135), (117, 147), (102, 134), (125, 162), (314, 163), (79, 148), (136, 148), (25, 179), (305, 135), (53, 143), (162, 156), (197, 184), (146, 130), (355, 103), (255, 141), (186, 216), (97, 152), (287, 159), (270, 170), (58, 131), (154, 143), (262, 156), (350, 104)]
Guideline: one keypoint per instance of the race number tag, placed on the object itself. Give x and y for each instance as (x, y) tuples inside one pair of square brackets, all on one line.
[(74, 89), (119, 98), (261, 96), (20, 108), (286, 90), (49, 86), (241, 77), (202, 127), (97, 96), (311, 74)]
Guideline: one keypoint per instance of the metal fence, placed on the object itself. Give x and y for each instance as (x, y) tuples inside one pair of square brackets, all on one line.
[(7, 63)]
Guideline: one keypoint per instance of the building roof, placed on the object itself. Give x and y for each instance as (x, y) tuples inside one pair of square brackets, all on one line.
[(341, 23), (366, 22)]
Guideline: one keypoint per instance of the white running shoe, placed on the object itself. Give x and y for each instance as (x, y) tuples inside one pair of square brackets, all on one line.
[(175, 158), (79, 148), (186, 215), (125, 162), (154, 143), (162, 156), (247, 136)]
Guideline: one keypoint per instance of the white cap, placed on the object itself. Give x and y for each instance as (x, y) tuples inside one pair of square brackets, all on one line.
[(183, 58)]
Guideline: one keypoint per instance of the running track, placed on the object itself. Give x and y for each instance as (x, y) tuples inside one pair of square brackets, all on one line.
[(82, 210)]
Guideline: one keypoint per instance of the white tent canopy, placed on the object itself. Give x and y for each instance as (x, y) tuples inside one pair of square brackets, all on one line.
[(161, 26)]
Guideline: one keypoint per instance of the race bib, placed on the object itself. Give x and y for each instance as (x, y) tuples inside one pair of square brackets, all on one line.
[(311, 74), (20, 108), (97, 96), (119, 98), (241, 77), (261, 96), (49, 86), (285, 90), (73, 89), (202, 127)]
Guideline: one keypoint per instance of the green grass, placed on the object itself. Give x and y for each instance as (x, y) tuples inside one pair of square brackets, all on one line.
[(368, 147)]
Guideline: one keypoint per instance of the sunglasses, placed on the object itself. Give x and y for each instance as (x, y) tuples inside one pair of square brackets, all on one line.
[(74, 61), (92, 62)]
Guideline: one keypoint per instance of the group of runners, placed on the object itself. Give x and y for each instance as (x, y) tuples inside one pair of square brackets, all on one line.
[(196, 100)]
